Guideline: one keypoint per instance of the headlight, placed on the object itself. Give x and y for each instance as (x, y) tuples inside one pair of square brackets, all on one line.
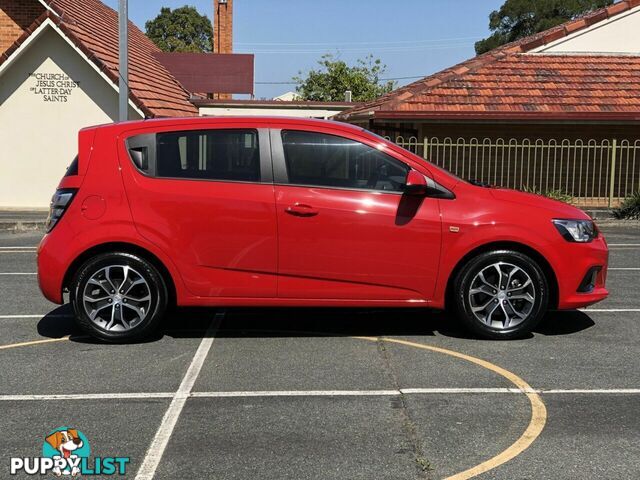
[(581, 231)]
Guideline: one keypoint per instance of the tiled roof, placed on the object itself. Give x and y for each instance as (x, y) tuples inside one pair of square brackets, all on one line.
[(508, 83), (93, 28)]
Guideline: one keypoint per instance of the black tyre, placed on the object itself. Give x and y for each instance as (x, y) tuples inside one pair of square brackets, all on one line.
[(118, 297), (501, 294)]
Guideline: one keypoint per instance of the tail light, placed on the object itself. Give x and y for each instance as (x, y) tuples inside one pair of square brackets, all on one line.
[(59, 204)]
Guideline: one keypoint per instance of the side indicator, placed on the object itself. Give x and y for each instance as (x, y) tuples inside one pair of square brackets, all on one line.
[(454, 229)]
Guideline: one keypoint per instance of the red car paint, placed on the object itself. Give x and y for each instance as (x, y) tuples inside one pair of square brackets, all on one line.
[(266, 244)]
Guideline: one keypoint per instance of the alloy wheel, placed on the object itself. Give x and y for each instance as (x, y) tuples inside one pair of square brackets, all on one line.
[(117, 298), (502, 295)]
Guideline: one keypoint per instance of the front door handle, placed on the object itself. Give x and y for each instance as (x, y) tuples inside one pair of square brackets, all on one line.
[(301, 210)]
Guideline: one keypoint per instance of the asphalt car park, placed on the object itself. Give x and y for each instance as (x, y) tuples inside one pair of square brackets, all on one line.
[(329, 393)]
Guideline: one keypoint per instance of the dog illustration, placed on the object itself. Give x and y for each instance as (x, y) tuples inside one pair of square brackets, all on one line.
[(66, 441)]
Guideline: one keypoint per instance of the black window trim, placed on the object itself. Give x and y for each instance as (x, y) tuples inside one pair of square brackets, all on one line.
[(281, 176), (149, 140), (72, 169)]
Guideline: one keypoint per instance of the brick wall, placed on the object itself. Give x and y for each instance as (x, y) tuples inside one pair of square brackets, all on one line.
[(15, 17)]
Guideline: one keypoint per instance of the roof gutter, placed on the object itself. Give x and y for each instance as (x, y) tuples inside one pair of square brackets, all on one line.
[(205, 102), (348, 117)]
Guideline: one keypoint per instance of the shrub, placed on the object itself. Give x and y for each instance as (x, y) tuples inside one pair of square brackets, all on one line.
[(630, 208), (559, 195)]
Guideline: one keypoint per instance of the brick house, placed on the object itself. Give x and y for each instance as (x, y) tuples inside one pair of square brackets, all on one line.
[(15, 18), (573, 90)]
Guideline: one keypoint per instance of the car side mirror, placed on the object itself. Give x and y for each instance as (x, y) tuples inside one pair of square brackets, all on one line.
[(416, 184)]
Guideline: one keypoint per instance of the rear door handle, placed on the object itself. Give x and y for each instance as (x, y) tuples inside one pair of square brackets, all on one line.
[(301, 210)]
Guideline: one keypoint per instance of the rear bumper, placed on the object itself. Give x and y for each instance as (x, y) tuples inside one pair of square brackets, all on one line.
[(574, 264), (53, 261)]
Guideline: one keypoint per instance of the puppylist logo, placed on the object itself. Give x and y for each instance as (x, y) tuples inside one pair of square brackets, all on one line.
[(66, 451)]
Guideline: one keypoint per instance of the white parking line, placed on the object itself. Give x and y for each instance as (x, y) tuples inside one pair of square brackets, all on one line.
[(623, 268), (409, 391), (17, 273), (23, 247), (161, 439), (612, 310), (316, 393), (624, 245), (89, 396), (631, 391), (297, 393), (52, 315), (17, 251)]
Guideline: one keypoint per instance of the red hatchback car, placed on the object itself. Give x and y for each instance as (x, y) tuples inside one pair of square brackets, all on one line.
[(290, 212)]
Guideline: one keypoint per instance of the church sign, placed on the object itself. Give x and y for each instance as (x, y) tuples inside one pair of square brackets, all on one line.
[(53, 87)]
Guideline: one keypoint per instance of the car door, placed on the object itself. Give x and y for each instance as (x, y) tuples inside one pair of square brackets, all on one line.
[(205, 196), (345, 229)]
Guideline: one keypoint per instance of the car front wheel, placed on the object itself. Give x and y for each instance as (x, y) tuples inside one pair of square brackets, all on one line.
[(118, 297), (501, 294)]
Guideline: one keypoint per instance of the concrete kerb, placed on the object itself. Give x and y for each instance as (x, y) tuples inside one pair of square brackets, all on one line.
[(22, 226)]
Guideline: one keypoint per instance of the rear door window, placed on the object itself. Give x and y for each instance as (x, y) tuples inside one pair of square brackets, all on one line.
[(232, 154), (209, 155)]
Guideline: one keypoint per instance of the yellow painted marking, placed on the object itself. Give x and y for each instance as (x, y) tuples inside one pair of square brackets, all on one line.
[(34, 342), (538, 410)]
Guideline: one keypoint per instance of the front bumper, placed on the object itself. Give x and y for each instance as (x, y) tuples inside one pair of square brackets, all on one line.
[(574, 263)]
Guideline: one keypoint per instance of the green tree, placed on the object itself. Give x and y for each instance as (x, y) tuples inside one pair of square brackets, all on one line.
[(334, 77), (180, 30), (520, 18)]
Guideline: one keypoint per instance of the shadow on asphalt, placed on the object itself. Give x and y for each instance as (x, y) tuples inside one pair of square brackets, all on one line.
[(309, 322), (564, 323)]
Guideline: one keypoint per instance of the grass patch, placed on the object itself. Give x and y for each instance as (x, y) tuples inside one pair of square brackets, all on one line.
[(558, 194), (629, 209), (424, 464)]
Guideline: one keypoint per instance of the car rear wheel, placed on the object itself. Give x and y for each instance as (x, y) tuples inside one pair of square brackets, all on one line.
[(501, 294), (118, 297)]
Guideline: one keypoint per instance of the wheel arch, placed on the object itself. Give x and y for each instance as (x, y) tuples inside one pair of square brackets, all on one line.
[(125, 248), (546, 267)]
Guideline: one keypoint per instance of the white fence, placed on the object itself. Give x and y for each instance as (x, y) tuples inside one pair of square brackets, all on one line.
[(594, 172)]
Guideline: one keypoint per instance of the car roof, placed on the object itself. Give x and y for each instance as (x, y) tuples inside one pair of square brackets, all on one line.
[(213, 120)]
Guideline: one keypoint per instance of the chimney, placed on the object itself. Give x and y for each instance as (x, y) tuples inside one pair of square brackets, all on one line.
[(222, 26)]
